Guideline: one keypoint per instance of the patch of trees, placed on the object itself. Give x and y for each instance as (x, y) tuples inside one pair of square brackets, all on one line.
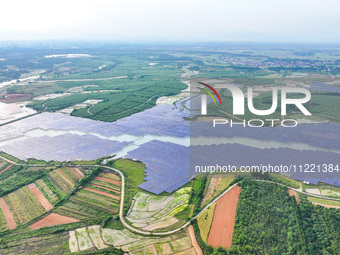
[(21, 179), (197, 192)]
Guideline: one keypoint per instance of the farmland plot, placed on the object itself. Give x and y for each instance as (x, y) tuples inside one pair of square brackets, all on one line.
[(3, 222), (73, 242), (221, 232), (205, 221), (40, 196), (79, 211), (62, 183), (109, 175), (24, 205), (96, 237), (150, 212), (98, 199), (46, 190), (70, 174), (106, 185), (52, 220), (84, 240)]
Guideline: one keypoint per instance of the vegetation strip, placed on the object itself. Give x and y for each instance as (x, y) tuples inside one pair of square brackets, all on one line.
[(102, 193)]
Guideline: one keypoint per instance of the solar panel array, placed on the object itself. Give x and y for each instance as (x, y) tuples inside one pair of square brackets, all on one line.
[(323, 87), (84, 136), (65, 147), (168, 165)]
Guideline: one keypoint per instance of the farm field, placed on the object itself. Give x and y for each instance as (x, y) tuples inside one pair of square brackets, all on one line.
[(100, 198), (23, 205), (46, 190), (222, 227), (60, 179), (46, 244), (150, 212), (40, 196), (95, 237), (205, 220), (52, 220)]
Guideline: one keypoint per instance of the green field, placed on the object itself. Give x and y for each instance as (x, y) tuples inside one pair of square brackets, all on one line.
[(134, 174)]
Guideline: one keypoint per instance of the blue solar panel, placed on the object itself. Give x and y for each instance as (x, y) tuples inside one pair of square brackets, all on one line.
[(168, 165)]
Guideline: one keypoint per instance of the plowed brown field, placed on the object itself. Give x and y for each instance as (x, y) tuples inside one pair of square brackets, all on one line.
[(52, 220), (8, 215), (102, 193), (103, 179), (221, 232)]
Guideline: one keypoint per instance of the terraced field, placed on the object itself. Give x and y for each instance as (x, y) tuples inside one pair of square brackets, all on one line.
[(95, 237), (150, 212)]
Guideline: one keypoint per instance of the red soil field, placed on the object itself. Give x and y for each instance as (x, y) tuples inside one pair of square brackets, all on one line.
[(77, 173), (113, 175), (42, 199), (222, 227), (65, 176), (8, 167), (8, 215), (10, 98), (103, 179), (194, 241), (52, 220), (103, 193), (118, 192)]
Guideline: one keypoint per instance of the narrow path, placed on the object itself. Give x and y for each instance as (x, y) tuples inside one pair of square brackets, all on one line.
[(89, 79)]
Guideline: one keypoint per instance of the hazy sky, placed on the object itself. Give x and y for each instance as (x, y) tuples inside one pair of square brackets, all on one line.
[(176, 20)]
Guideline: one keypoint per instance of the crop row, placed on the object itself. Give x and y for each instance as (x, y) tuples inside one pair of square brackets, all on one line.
[(106, 185), (62, 185), (79, 211)]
